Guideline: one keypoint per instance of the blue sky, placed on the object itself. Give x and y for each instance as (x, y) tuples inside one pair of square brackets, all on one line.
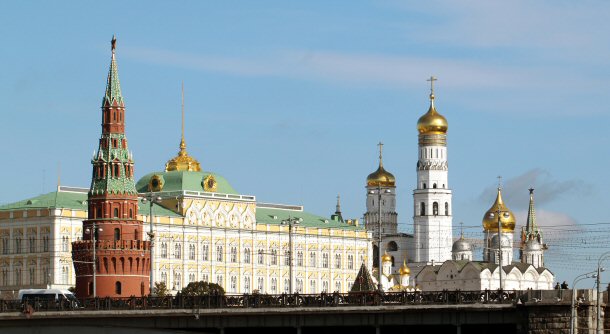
[(288, 100)]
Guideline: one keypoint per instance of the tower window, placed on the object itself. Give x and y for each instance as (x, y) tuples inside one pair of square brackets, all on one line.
[(117, 234), (435, 208), (116, 213), (117, 288), (425, 186), (446, 208), (434, 185), (130, 213), (422, 209)]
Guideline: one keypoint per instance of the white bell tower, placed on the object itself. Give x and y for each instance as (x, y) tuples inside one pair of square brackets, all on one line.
[(432, 207)]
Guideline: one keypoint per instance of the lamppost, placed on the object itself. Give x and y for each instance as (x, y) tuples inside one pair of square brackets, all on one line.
[(600, 329), (500, 213), (573, 316), (93, 232), (380, 264), (151, 235), (290, 222)]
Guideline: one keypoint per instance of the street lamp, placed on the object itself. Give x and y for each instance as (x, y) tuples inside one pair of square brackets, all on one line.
[(380, 264), (290, 222), (578, 278), (600, 329), (151, 235), (93, 232), (500, 213)]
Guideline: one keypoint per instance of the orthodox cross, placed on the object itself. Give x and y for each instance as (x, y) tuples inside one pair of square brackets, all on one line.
[(499, 182), (380, 151), (432, 80)]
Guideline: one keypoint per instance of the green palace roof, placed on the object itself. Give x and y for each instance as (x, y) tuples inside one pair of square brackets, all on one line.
[(276, 216), (75, 199), (56, 199), (185, 180)]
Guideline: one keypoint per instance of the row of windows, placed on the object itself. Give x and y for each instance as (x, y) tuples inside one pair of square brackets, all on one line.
[(116, 213), (99, 171), (32, 276), (434, 186), (247, 283), (422, 209), (273, 256), (432, 153), (19, 247)]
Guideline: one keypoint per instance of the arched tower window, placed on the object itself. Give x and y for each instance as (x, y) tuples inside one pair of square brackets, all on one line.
[(435, 208), (434, 185), (136, 235), (117, 288), (446, 208), (116, 213), (424, 185), (422, 209), (392, 246), (117, 234), (130, 213)]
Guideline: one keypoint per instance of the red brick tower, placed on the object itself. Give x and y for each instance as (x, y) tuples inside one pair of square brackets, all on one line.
[(122, 257)]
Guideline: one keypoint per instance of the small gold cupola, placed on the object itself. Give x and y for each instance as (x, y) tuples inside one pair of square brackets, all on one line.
[(183, 162), (507, 219), (381, 177), (404, 270), (386, 257), (432, 122)]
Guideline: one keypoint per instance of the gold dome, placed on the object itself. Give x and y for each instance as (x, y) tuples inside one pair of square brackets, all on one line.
[(183, 161), (507, 219), (386, 257), (380, 177), (432, 122), (404, 270)]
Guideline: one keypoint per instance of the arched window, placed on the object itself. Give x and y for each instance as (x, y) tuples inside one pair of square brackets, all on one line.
[(434, 185), (392, 246), (117, 233), (130, 213), (116, 171), (446, 208), (136, 235), (178, 251), (116, 212), (117, 288), (246, 255), (422, 209), (424, 185), (435, 208)]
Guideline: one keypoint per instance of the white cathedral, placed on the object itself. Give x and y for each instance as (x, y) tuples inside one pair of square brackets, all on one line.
[(430, 258)]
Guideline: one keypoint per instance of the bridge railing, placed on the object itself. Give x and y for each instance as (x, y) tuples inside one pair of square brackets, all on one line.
[(269, 301)]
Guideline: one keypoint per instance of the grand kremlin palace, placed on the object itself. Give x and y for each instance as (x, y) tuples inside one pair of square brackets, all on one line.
[(202, 230)]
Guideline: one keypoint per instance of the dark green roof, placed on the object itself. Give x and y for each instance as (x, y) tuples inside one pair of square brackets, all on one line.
[(276, 216), (185, 180), (55, 199)]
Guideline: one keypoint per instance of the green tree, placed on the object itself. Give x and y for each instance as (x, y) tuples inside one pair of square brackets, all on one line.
[(202, 288), (160, 289)]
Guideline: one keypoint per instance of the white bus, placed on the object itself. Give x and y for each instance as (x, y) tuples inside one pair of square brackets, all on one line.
[(47, 296)]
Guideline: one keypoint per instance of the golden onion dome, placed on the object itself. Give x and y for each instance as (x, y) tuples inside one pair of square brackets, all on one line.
[(432, 122), (380, 177), (404, 270), (386, 257), (507, 218)]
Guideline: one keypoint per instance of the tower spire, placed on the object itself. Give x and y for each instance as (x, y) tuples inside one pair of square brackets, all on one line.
[(338, 210), (113, 86), (182, 162), (530, 225), (182, 141)]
